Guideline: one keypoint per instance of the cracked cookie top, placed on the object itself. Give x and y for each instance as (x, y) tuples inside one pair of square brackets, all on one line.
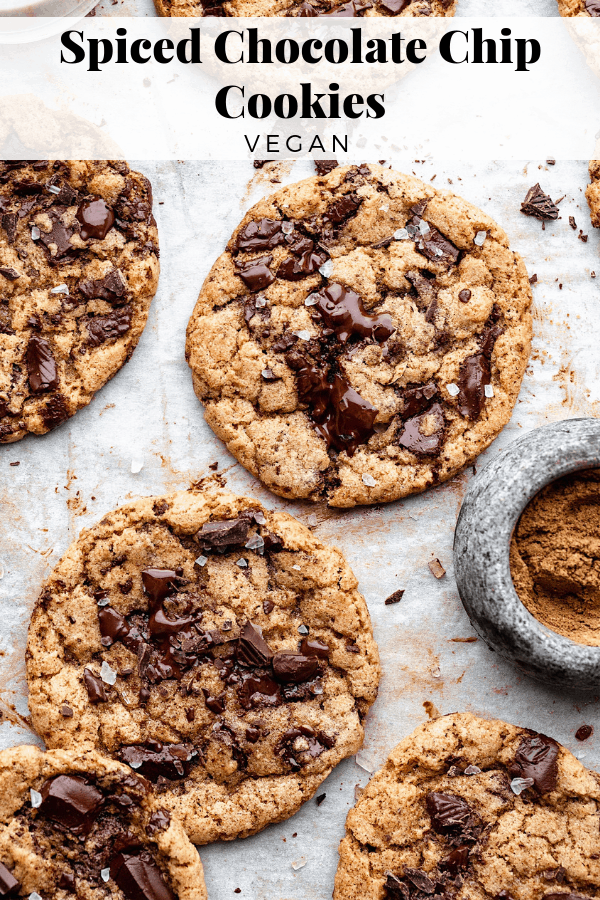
[(219, 649), (75, 824), (470, 808), (306, 8), (78, 269), (363, 337)]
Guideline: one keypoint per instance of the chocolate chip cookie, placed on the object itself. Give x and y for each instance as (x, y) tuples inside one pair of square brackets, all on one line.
[(219, 649), (303, 8), (585, 8), (78, 825), (466, 807), (78, 269), (592, 192), (363, 337)]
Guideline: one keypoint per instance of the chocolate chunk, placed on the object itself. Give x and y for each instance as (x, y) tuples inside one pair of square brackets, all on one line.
[(96, 217), (59, 236), (110, 327), (8, 882), (320, 799), (66, 711), (423, 435), (418, 399), (94, 687), (41, 366), (252, 649), (293, 269), (593, 7), (347, 205), (393, 7), (139, 877), (66, 882), (464, 296), (436, 247), (257, 690), (67, 195), (9, 274), (218, 535), (396, 888), (350, 9), (566, 896), (305, 10), (316, 743), (111, 288), (264, 234), (215, 704), (448, 812), (539, 204), (537, 758), (396, 597), (420, 880), (558, 874), (72, 801), (55, 412), (252, 735), (158, 821), (158, 584), (9, 224), (475, 373), (28, 187), (156, 760), (256, 273), (489, 338), (343, 311), (425, 288), (290, 667), (314, 648), (584, 732), (325, 166), (458, 859)]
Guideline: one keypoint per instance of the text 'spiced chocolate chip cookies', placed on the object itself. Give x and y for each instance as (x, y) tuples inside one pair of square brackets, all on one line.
[(78, 269), (469, 808), (219, 649), (592, 192), (80, 825), (363, 337), (303, 8)]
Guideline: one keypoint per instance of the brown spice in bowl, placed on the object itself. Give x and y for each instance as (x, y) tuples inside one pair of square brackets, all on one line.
[(555, 557)]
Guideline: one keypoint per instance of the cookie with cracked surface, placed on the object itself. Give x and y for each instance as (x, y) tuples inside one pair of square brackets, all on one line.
[(306, 8), (363, 337), (78, 824), (218, 648), (469, 807), (78, 269), (592, 192), (585, 8)]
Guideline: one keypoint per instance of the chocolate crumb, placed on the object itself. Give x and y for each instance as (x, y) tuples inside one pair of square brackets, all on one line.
[(320, 799), (584, 732), (539, 204), (396, 597)]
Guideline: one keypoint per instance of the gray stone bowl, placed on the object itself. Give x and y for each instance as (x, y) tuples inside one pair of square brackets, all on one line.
[(494, 501)]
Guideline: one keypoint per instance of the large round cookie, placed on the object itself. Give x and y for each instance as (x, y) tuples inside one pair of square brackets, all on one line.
[(333, 8), (220, 649), (592, 192), (78, 269), (470, 808), (586, 8), (363, 337), (76, 824)]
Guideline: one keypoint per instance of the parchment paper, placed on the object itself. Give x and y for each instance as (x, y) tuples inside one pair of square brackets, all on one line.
[(71, 477)]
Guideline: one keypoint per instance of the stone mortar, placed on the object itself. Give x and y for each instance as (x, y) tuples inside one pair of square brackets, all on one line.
[(494, 501)]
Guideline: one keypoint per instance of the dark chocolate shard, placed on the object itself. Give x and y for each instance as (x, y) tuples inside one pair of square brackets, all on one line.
[(395, 888), (111, 288), (9, 224), (592, 7), (158, 584), (41, 366), (423, 435), (420, 879), (437, 248), (417, 399), (96, 217), (66, 882), (537, 758), (325, 166), (252, 649), (110, 327), (347, 205), (393, 7), (290, 667), (458, 859), (258, 690), (55, 412), (215, 704), (425, 288), (156, 760), (72, 801), (139, 877), (539, 204), (256, 273), (9, 273), (314, 648), (343, 311), (227, 533), (475, 373), (294, 269), (58, 237), (264, 234), (447, 812), (8, 882), (396, 597), (158, 821), (95, 687)]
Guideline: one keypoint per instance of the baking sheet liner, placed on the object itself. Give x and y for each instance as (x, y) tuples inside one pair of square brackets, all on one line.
[(149, 414)]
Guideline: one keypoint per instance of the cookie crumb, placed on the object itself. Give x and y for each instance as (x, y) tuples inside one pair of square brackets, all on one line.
[(396, 597), (584, 732), (436, 568)]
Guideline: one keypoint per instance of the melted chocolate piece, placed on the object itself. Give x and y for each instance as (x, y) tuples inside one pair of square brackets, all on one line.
[(8, 882), (252, 649), (215, 704), (343, 311), (9, 273), (475, 373), (264, 234), (218, 535), (314, 648), (310, 260), (325, 166), (110, 327), (458, 859), (96, 217), (347, 205), (350, 418), (41, 366), (66, 882), (584, 732), (317, 742), (158, 584), (257, 690), (448, 813), (393, 7), (539, 204), (419, 443), (139, 877), (417, 399), (465, 295), (293, 668), (489, 338), (154, 760), (111, 288), (60, 237), (256, 273), (71, 801), (55, 412), (537, 758), (420, 879), (158, 821), (95, 687)]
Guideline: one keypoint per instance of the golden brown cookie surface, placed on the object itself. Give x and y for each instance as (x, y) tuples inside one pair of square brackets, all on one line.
[(304, 8), (218, 648), (363, 337), (78, 269), (466, 807)]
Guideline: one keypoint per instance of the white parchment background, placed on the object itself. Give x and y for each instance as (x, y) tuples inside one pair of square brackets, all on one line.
[(71, 477)]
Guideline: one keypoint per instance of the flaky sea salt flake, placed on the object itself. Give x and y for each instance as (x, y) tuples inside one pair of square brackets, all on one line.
[(488, 390), (108, 675), (364, 762), (297, 568), (480, 238), (518, 785), (34, 896), (424, 227), (311, 300), (60, 289), (35, 233), (312, 520), (453, 389), (137, 464), (368, 480), (260, 301), (287, 227), (242, 563), (303, 335), (401, 234), (326, 269), (54, 189), (299, 863), (36, 798), (105, 874), (255, 543), (201, 561)]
